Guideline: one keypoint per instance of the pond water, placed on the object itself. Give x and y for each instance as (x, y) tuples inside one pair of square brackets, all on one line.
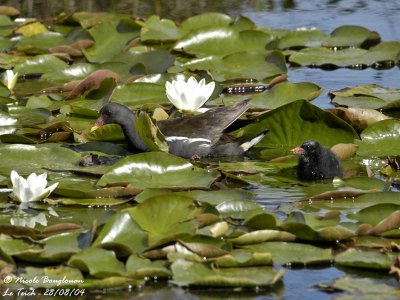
[(381, 16)]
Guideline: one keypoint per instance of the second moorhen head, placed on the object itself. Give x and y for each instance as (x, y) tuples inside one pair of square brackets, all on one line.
[(200, 135), (317, 162)]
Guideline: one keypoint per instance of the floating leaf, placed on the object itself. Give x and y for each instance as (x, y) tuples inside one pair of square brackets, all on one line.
[(359, 118), (380, 139), (156, 29), (253, 65), (165, 218), (122, 234), (367, 96), (351, 36), (158, 170), (386, 52), (285, 93), (221, 41), (206, 20), (293, 253), (138, 267), (196, 274), (88, 260), (301, 38), (363, 259), (292, 124), (108, 41), (259, 236)]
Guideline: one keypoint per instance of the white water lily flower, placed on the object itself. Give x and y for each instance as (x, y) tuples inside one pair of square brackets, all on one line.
[(189, 95), (10, 79), (31, 189)]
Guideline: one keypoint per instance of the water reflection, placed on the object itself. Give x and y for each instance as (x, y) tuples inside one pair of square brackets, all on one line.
[(381, 16)]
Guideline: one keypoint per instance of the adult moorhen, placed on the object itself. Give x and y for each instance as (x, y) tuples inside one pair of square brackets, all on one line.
[(317, 162), (188, 136)]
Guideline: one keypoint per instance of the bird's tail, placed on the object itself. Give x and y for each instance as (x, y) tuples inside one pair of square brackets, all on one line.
[(248, 144)]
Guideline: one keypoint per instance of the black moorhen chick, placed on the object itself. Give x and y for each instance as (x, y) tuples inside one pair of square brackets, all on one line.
[(317, 162), (200, 135)]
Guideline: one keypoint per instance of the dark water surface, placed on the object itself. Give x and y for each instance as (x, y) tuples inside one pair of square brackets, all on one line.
[(381, 16)]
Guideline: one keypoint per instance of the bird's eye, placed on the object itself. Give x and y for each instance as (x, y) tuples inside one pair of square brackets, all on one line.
[(107, 113)]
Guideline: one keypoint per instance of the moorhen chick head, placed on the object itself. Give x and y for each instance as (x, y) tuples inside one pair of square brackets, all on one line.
[(317, 162)]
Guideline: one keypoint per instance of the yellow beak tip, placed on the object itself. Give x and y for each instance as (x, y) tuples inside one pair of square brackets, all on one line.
[(94, 128)]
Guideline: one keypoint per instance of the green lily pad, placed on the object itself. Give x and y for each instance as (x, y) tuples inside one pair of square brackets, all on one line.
[(88, 260), (221, 41), (238, 209), (301, 38), (156, 29), (363, 259), (138, 93), (41, 42), (138, 267), (165, 218), (243, 258), (239, 65), (206, 20), (40, 64), (187, 273), (285, 93), (26, 159), (109, 41), (149, 133), (362, 288), (292, 124), (122, 234), (259, 236), (386, 52), (212, 197), (158, 170), (61, 246), (367, 96), (351, 36), (380, 139), (293, 253), (375, 213)]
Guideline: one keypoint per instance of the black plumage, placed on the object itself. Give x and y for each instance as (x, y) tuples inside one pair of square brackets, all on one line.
[(200, 135), (317, 162)]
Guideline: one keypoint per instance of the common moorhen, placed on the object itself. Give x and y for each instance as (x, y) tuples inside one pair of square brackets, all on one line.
[(317, 162), (200, 135)]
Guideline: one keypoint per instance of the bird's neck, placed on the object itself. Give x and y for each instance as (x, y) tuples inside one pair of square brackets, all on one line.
[(133, 139)]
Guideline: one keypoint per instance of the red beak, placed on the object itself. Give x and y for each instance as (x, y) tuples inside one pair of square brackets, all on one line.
[(298, 150), (98, 124)]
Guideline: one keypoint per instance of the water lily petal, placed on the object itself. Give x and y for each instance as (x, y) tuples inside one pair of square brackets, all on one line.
[(45, 193)]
